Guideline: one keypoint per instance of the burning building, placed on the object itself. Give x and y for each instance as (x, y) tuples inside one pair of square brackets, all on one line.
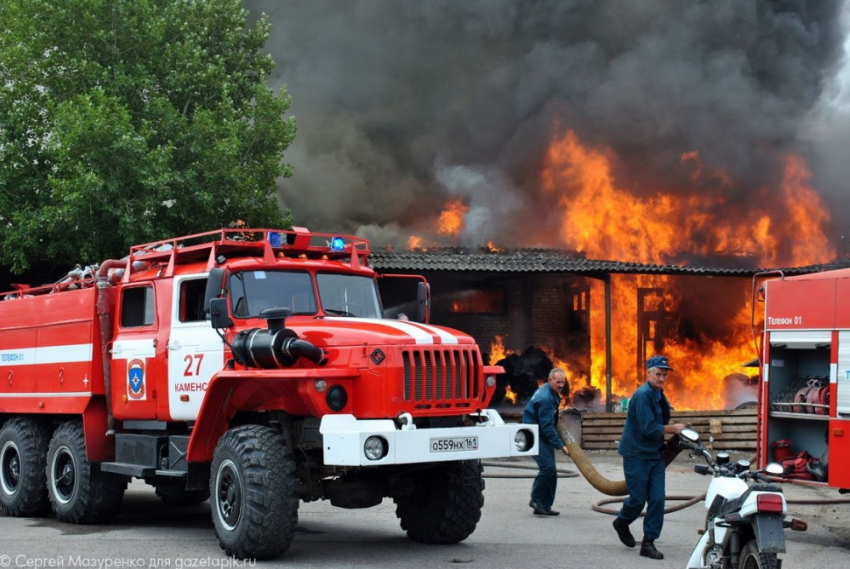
[(686, 292), (536, 308)]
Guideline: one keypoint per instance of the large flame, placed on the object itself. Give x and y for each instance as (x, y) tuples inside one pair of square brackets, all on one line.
[(605, 221), (609, 222)]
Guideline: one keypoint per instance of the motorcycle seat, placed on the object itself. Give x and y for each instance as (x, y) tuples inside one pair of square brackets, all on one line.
[(721, 506)]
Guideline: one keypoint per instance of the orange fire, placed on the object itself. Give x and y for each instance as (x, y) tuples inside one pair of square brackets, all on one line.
[(497, 350), (452, 218), (510, 395), (609, 222), (604, 220), (414, 242)]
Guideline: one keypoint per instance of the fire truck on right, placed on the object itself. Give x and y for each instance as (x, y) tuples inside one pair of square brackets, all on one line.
[(804, 358)]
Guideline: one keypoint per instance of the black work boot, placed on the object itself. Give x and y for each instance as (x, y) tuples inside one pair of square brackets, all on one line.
[(623, 532), (647, 549), (541, 511)]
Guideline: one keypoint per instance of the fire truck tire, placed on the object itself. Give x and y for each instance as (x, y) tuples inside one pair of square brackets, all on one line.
[(23, 456), (254, 493), (445, 505), (752, 558), (180, 497), (79, 492)]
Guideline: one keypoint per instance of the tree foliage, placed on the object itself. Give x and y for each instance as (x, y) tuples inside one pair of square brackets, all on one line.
[(127, 121)]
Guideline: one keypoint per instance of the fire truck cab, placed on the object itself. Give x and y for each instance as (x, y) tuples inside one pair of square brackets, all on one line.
[(804, 357), (251, 367)]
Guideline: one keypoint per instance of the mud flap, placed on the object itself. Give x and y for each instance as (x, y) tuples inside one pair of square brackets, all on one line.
[(769, 533)]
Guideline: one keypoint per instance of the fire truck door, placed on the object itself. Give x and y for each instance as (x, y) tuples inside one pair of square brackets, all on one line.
[(195, 350), (134, 365)]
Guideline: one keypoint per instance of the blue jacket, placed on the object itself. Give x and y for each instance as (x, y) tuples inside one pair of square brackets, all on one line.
[(643, 435), (542, 410)]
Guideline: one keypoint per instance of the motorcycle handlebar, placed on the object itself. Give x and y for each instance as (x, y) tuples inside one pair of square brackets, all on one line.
[(696, 448), (701, 469), (760, 477)]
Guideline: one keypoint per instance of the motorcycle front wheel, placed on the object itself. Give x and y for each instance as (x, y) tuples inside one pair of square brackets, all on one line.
[(752, 558)]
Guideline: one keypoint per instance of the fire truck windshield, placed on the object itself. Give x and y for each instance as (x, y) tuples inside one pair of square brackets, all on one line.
[(254, 291), (349, 295)]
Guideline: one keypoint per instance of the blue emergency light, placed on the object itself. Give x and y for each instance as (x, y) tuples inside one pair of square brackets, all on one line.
[(337, 244)]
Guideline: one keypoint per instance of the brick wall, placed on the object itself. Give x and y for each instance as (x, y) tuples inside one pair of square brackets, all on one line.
[(536, 312)]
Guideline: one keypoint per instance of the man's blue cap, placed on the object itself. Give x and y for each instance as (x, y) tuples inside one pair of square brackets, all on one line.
[(659, 362)]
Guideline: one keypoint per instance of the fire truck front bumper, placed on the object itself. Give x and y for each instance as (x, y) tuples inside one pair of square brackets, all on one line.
[(348, 441)]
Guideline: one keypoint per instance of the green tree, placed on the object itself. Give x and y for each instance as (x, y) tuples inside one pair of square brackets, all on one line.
[(127, 121)]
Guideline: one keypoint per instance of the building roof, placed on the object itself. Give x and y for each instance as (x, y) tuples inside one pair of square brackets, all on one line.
[(460, 259)]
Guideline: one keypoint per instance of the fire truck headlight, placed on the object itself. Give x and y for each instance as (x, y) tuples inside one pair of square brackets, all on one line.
[(524, 440), (320, 385), (490, 380), (336, 398), (375, 448)]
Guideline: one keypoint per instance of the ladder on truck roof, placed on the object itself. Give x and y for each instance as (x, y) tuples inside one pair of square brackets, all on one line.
[(270, 244)]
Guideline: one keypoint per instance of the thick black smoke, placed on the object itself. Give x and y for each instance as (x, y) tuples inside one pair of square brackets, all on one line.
[(402, 104)]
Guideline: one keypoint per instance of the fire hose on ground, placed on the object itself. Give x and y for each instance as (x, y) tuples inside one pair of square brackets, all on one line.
[(618, 489)]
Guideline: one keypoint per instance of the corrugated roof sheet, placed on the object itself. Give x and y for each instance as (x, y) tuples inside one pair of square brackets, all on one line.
[(556, 261)]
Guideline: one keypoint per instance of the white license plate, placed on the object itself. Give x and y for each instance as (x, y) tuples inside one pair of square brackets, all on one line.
[(454, 444)]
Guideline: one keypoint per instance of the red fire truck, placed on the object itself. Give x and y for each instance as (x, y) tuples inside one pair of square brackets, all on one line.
[(254, 368), (804, 398)]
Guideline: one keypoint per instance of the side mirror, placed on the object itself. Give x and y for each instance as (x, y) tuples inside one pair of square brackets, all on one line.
[(774, 468), (215, 284), (423, 302), (218, 314), (690, 434)]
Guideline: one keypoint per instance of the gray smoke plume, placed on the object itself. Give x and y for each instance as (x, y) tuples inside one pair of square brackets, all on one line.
[(403, 104)]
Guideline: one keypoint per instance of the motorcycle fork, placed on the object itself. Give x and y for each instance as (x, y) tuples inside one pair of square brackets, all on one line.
[(730, 546), (726, 554)]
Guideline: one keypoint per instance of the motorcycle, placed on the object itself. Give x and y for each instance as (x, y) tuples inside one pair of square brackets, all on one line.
[(746, 512)]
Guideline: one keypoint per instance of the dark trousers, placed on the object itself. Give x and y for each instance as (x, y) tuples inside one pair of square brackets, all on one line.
[(645, 480), (546, 481)]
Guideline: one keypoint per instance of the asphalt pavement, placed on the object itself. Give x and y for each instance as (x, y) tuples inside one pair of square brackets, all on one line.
[(151, 534)]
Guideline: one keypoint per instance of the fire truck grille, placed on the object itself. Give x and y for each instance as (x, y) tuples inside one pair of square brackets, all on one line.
[(441, 375)]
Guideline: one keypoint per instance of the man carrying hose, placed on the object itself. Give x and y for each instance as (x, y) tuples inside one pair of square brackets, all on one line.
[(542, 410), (642, 447)]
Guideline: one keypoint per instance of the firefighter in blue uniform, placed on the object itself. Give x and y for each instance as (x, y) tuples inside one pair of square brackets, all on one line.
[(642, 448), (542, 410)]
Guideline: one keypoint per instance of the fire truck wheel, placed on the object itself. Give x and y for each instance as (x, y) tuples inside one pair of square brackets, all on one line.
[(79, 493), (23, 456), (445, 504), (752, 558), (180, 497), (254, 493)]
